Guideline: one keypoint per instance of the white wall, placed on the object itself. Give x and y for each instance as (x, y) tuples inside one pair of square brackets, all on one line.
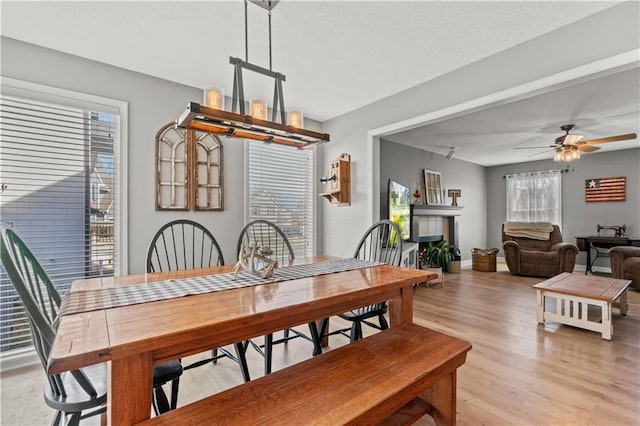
[(563, 49)]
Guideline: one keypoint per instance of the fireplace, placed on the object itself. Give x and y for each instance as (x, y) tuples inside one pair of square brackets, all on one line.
[(431, 224)]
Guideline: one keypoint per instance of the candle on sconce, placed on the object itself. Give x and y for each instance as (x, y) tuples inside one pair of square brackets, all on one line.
[(258, 108), (296, 118), (214, 97)]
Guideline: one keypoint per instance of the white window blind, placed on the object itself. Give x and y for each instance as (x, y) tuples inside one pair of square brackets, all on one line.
[(280, 189), (535, 197), (59, 194)]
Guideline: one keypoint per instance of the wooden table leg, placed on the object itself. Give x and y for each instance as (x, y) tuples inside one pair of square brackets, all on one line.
[(401, 307), (540, 308), (607, 325), (624, 305), (130, 389), (442, 397)]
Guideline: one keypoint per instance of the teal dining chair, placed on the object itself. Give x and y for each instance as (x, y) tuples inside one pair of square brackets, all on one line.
[(76, 394)]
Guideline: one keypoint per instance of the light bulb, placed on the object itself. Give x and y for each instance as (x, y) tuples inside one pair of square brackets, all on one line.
[(296, 118), (258, 108), (214, 97)]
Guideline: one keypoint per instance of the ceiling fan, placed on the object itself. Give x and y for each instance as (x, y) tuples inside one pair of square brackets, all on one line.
[(569, 146)]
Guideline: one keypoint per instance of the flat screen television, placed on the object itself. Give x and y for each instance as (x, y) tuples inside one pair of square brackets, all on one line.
[(399, 207)]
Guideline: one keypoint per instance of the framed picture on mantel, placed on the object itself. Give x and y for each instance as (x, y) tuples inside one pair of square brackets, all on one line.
[(433, 187)]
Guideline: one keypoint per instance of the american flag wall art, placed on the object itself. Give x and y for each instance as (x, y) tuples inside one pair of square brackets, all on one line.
[(605, 189)]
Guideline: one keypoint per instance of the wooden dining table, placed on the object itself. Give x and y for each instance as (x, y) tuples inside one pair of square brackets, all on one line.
[(133, 338)]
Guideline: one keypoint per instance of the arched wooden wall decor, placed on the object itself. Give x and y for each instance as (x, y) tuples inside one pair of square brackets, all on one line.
[(208, 179), (189, 172), (172, 180)]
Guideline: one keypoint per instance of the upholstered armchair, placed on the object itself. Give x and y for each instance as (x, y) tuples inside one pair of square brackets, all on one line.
[(539, 258), (625, 264)]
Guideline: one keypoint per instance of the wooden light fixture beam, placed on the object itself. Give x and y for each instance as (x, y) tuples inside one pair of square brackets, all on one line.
[(231, 124)]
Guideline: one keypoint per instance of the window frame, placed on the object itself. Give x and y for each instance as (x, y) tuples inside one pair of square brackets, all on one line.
[(538, 175), (315, 220), (20, 357)]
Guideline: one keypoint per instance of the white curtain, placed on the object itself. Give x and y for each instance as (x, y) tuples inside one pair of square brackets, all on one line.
[(535, 197)]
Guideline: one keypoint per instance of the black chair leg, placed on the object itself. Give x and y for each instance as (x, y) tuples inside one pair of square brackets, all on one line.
[(242, 360), (317, 335), (214, 355), (174, 393), (356, 331), (160, 401), (74, 419), (383, 322), (286, 335), (268, 352), (57, 418)]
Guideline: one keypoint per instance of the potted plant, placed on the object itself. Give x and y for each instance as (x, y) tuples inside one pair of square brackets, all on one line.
[(437, 255)]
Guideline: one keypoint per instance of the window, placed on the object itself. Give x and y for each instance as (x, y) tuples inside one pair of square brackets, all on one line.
[(60, 168), (535, 197), (280, 189)]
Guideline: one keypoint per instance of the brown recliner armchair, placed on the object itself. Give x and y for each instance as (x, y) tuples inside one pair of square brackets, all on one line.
[(539, 258), (625, 264)]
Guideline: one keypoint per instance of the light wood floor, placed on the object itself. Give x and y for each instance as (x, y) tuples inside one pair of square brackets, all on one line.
[(518, 372)]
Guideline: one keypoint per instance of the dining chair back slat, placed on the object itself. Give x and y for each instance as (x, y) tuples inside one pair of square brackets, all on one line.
[(381, 243), (183, 244), (270, 238)]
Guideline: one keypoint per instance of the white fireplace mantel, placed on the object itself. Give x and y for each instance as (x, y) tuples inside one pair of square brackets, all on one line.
[(433, 210)]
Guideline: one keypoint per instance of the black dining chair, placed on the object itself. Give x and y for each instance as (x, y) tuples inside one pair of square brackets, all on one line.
[(184, 244), (274, 244), (380, 243), (76, 394)]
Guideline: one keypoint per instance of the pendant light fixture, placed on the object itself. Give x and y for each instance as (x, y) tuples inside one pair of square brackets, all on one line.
[(211, 117)]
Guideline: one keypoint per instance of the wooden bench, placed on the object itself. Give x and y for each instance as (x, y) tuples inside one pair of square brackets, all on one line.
[(394, 377)]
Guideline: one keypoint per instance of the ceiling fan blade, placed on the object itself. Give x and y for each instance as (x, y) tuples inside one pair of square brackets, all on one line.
[(610, 139), (533, 147), (541, 152), (587, 149)]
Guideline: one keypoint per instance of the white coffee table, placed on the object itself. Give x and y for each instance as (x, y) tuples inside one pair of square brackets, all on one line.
[(574, 294)]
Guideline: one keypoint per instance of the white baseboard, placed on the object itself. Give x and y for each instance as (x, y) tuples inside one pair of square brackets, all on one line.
[(18, 358)]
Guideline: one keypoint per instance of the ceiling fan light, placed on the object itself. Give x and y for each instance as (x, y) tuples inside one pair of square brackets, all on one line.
[(575, 154), (572, 139), (557, 155)]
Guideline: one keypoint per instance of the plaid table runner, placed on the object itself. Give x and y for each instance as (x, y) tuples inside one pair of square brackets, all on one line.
[(93, 300)]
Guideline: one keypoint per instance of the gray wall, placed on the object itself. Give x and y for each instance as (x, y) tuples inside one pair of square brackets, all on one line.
[(405, 164), (560, 50), (578, 216), (152, 102)]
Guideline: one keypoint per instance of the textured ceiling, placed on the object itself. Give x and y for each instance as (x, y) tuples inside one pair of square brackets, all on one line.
[(602, 107), (339, 56)]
